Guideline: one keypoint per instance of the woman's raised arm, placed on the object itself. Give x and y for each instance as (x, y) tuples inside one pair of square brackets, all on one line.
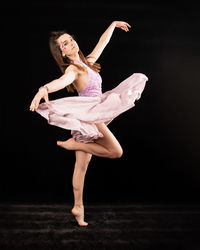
[(53, 86), (105, 38)]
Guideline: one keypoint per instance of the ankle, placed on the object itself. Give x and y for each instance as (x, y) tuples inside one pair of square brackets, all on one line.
[(78, 205)]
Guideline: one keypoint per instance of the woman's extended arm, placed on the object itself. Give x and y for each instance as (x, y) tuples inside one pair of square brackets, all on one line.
[(53, 86), (105, 38)]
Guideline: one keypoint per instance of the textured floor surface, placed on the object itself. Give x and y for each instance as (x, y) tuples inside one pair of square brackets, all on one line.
[(114, 226)]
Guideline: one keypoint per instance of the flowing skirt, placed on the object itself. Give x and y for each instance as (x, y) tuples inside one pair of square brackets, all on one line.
[(80, 113)]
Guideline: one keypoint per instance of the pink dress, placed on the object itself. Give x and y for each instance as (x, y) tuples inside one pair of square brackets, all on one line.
[(80, 113)]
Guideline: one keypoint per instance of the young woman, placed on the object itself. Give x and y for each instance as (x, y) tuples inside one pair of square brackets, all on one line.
[(88, 114)]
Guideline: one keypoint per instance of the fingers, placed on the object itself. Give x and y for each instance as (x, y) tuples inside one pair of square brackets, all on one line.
[(126, 26), (46, 98), (37, 104), (34, 105), (123, 25), (125, 29), (36, 101)]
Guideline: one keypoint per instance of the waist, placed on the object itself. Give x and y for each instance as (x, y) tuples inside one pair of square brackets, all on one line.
[(91, 94), (91, 91)]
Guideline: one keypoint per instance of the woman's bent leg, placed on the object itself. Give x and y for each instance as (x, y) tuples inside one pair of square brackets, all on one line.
[(108, 146), (80, 168)]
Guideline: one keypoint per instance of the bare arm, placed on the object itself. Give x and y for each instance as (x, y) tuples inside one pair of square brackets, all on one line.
[(105, 38), (53, 86), (66, 79)]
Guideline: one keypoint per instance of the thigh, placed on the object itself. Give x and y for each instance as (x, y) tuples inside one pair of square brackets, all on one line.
[(108, 140)]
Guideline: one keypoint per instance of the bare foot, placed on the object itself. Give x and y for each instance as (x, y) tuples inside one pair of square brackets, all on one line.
[(69, 144), (78, 212)]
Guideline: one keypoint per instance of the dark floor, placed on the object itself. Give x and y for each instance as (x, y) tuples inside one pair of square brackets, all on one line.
[(114, 226)]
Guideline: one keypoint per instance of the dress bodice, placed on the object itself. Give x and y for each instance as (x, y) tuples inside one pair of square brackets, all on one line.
[(94, 86)]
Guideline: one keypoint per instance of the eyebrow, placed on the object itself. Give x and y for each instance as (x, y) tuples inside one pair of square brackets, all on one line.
[(69, 38), (66, 40)]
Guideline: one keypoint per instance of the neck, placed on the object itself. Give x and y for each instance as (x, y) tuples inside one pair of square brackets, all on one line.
[(75, 57)]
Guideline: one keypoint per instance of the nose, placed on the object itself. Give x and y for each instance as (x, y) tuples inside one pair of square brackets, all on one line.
[(72, 45)]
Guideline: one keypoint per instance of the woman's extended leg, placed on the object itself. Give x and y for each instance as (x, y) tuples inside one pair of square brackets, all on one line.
[(108, 146), (80, 168)]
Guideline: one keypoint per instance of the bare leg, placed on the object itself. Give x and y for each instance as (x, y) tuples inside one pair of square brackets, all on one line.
[(108, 146), (80, 168)]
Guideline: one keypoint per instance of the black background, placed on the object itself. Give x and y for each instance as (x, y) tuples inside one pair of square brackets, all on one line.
[(160, 135)]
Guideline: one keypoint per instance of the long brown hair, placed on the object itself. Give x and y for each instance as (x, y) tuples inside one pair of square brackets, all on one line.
[(64, 62)]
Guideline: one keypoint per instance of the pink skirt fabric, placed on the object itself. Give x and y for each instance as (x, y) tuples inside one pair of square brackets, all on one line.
[(80, 114)]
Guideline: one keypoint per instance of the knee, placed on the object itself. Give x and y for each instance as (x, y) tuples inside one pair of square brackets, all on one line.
[(117, 153)]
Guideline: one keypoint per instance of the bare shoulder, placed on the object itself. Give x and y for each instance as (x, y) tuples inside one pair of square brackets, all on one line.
[(71, 68), (77, 69)]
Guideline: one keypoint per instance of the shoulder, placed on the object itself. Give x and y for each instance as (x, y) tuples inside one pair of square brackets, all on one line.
[(71, 68), (70, 73), (75, 68)]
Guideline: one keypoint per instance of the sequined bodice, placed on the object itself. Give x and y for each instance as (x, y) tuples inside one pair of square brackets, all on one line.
[(94, 86)]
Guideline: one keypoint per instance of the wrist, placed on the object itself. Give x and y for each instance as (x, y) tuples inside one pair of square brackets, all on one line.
[(44, 87), (113, 23)]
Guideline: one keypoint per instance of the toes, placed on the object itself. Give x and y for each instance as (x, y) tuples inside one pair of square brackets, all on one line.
[(59, 143), (83, 224)]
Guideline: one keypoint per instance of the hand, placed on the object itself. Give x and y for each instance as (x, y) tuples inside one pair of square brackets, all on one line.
[(122, 25), (42, 93)]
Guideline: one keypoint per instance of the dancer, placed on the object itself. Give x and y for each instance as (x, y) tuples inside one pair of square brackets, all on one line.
[(88, 114)]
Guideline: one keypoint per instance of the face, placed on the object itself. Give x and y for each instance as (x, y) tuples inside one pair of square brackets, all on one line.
[(67, 45)]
